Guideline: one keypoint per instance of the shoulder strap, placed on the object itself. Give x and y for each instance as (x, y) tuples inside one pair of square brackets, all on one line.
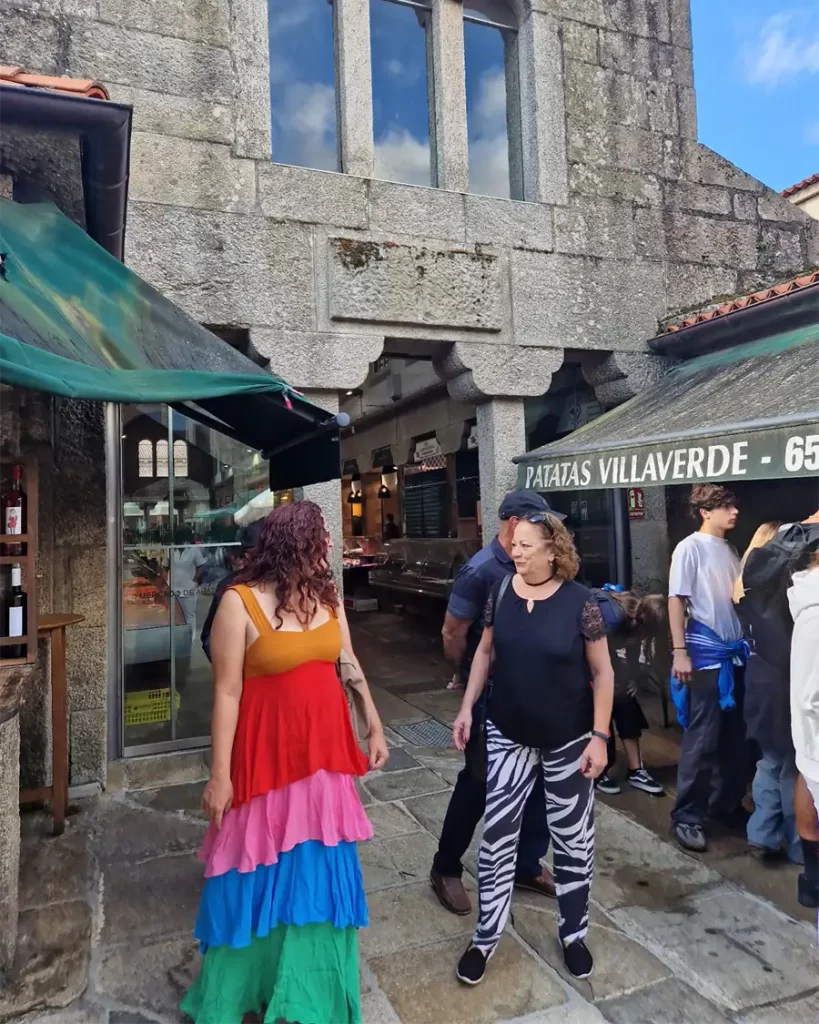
[(253, 608), (502, 590)]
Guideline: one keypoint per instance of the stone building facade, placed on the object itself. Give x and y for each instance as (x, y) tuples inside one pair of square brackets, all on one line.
[(623, 217)]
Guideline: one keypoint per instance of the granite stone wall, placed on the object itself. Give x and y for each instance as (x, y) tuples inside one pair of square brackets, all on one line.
[(626, 218)]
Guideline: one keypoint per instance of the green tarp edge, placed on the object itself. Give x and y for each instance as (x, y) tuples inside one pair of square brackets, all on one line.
[(24, 366)]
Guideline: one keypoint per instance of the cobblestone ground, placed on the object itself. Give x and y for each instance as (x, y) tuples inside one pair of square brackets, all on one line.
[(108, 907)]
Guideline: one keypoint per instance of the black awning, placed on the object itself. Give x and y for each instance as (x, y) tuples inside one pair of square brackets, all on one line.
[(747, 413)]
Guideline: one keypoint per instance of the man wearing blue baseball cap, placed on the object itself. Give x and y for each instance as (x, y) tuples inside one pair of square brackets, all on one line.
[(462, 631)]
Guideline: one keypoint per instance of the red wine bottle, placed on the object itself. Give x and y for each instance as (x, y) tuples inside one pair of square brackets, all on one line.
[(15, 615), (14, 511)]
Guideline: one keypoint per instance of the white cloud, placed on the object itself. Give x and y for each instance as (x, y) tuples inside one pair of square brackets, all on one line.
[(488, 142), (399, 156), (292, 17), (304, 124), (404, 74), (781, 50)]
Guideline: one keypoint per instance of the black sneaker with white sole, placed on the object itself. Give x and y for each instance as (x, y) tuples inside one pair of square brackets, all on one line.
[(578, 959), (606, 784), (640, 779), (472, 966)]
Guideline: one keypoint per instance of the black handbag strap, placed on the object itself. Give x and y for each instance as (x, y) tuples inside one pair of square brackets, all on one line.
[(502, 590)]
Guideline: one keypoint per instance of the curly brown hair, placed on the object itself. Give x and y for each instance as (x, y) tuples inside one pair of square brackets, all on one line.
[(292, 554), (567, 562)]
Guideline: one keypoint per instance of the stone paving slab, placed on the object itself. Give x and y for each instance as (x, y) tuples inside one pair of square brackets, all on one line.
[(429, 810), (124, 832), (800, 1011), (186, 797), (400, 760), (446, 763), (150, 977), (633, 866), (393, 709), (55, 872), (404, 785), (670, 1002), (620, 964), (410, 916), (736, 950), (390, 820), (53, 958), (443, 705), (421, 985), (396, 861), (150, 900)]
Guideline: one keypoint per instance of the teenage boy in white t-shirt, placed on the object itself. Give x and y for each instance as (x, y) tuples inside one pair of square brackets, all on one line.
[(704, 626)]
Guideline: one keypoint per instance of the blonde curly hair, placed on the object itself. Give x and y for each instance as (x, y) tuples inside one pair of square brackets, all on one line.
[(567, 562)]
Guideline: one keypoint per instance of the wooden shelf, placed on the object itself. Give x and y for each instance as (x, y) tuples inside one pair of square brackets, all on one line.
[(15, 538), (11, 662), (11, 641)]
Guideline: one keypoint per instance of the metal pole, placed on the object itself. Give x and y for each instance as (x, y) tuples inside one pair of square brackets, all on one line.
[(113, 501), (622, 537)]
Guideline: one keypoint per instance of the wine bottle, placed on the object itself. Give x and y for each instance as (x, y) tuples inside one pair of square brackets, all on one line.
[(15, 615), (14, 512)]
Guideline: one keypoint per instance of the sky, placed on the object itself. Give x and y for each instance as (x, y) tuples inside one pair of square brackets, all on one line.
[(756, 67), (756, 72)]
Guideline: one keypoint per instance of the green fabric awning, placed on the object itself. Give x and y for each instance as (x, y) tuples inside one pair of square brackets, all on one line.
[(746, 413), (76, 322)]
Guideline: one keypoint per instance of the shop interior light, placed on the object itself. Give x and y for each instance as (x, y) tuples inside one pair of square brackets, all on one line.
[(384, 492), (389, 480)]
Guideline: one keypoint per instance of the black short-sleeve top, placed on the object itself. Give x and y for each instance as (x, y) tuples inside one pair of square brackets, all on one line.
[(541, 683)]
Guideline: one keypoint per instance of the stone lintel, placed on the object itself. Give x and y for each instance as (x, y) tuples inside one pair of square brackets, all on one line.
[(477, 373)]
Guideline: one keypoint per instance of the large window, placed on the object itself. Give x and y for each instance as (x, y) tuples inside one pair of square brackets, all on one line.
[(398, 34), (302, 83), (185, 489), (491, 76)]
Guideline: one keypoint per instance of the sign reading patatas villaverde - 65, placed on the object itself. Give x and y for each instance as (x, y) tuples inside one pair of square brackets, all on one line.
[(771, 454)]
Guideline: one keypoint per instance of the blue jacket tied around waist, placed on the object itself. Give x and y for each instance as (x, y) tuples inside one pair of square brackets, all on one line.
[(705, 647)]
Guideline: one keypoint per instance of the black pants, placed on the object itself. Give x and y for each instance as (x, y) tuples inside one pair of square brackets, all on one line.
[(467, 805), (628, 718), (712, 773)]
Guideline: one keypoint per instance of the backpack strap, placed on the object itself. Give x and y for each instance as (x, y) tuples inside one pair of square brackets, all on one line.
[(502, 590)]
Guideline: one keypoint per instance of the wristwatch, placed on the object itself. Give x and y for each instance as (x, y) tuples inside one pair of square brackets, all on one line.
[(600, 735)]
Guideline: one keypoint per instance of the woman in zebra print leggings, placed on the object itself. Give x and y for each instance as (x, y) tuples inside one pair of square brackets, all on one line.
[(549, 711)]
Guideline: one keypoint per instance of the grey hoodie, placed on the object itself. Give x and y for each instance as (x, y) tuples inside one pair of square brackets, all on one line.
[(803, 597)]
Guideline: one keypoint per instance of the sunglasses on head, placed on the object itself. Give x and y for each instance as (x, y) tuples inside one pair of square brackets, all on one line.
[(545, 518)]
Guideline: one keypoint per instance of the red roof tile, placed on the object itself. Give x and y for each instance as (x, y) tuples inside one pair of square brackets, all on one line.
[(794, 189), (803, 281), (11, 75)]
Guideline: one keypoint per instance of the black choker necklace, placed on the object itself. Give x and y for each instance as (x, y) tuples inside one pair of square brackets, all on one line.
[(542, 583)]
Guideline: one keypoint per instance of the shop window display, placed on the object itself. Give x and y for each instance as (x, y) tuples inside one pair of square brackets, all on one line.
[(180, 525)]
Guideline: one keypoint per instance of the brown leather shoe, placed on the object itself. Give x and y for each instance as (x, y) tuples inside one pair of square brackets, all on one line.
[(543, 884), (450, 891)]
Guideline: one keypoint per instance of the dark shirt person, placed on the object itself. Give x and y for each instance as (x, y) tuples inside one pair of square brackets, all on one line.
[(247, 538), (391, 529), (462, 631)]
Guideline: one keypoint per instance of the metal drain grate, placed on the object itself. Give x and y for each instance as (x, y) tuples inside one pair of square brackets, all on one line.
[(425, 734)]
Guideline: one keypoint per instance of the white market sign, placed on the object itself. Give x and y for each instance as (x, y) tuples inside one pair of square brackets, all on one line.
[(773, 454)]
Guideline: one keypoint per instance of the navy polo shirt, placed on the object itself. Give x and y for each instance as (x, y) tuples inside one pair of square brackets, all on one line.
[(470, 593)]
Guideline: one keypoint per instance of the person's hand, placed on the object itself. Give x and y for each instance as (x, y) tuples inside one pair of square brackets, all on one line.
[(462, 728), (377, 750), (217, 798), (681, 667), (594, 758)]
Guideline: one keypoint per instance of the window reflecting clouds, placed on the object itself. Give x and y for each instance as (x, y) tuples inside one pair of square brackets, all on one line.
[(302, 83), (488, 35), (400, 96)]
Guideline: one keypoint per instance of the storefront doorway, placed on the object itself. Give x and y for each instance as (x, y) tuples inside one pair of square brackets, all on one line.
[(183, 486)]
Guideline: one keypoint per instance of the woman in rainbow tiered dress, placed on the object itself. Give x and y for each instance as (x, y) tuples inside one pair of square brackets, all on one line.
[(283, 892)]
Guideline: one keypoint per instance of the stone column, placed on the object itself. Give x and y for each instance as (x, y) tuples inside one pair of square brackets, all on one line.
[(650, 555), (328, 495), (501, 436), (448, 118), (354, 87), (542, 111), (9, 814)]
